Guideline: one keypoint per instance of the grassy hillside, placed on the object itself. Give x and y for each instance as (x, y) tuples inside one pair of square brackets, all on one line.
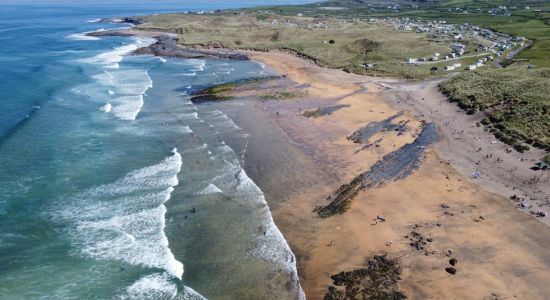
[(337, 34), (331, 42), (516, 101), (532, 23)]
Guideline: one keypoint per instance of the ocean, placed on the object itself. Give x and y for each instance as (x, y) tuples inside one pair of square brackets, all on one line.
[(113, 185)]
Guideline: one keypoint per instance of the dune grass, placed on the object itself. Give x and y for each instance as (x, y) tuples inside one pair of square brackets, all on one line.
[(532, 23), (348, 45), (516, 101)]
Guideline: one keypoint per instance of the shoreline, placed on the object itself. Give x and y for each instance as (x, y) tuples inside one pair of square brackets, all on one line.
[(323, 141), (454, 212)]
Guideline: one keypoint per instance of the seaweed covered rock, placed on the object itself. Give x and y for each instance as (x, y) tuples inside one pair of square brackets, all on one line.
[(323, 111), (378, 280), (363, 134), (396, 165)]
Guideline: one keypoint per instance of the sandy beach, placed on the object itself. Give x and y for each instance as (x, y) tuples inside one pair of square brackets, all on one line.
[(431, 217), (437, 221)]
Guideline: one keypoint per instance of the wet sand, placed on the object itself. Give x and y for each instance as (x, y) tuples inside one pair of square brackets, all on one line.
[(298, 161)]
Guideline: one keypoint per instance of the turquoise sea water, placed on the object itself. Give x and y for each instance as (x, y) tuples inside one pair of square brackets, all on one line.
[(113, 185)]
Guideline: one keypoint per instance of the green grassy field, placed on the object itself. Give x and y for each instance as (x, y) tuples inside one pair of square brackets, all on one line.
[(529, 23), (343, 45), (517, 102)]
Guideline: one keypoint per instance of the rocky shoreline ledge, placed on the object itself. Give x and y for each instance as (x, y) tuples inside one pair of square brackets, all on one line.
[(166, 45), (396, 165)]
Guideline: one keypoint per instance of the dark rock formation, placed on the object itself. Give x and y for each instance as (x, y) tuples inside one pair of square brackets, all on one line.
[(323, 111), (362, 135), (168, 46), (451, 270), (111, 33), (377, 281), (222, 92), (133, 20), (453, 261), (394, 166)]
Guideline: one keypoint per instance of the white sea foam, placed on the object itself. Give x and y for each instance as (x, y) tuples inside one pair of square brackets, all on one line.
[(95, 20), (128, 107), (271, 246), (224, 71), (193, 115), (198, 64), (185, 129), (155, 286), (186, 74), (111, 59), (106, 108), (125, 81), (125, 220), (159, 286), (82, 37), (162, 59), (209, 189), (131, 85), (264, 68)]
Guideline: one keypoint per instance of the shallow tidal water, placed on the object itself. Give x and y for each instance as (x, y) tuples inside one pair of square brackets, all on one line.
[(113, 185)]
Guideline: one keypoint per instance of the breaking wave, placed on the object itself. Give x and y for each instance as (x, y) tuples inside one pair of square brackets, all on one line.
[(111, 59), (124, 221)]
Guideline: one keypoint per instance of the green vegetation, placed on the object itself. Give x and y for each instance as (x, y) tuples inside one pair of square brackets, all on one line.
[(316, 113), (224, 91), (547, 159), (355, 46), (267, 96), (339, 34), (287, 95), (537, 30), (348, 32), (516, 101), (323, 111), (532, 23), (277, 95)]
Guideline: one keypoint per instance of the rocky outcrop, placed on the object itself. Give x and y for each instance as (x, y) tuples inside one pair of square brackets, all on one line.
[(396, 165), (377, 281), (363, 134), (168, 46), (323, 111), (225, 91)]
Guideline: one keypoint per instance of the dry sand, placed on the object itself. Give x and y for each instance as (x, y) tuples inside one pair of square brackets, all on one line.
[(502, 253)]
